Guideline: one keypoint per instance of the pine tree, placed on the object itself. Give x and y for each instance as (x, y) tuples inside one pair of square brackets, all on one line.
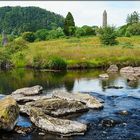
[(69, 25)]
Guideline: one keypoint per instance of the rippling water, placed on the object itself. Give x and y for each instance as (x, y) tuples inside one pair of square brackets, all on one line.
[(115, 100)]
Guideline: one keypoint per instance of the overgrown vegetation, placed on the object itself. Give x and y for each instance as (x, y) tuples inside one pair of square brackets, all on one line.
[(108, 35), (74, 47)]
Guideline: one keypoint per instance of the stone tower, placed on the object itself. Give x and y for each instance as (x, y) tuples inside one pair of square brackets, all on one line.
[(4, 39), (104, 18)]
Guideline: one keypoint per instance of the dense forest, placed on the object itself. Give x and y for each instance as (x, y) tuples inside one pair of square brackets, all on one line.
[(16, 20)]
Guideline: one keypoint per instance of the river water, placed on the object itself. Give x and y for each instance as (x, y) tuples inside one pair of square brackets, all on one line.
[(126, 98)]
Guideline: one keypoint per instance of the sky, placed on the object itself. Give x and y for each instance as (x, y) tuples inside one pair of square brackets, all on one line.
[(85, 12)]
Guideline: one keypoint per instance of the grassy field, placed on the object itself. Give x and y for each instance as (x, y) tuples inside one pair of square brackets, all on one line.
[(81, 52)]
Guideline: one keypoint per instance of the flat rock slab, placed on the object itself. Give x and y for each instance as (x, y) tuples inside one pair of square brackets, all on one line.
[(9, 112), (29, 91), (55, 106), (28, 94), (90, 101), (55, 125)]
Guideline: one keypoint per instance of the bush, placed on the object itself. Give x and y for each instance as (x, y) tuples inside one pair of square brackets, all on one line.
[(134, 29), (79, 32), (41, 34), (29, 36), (17, 45), (122, 30), (57, 63), (58, 33), (89, 30), (108, 35), (39, 62), (128, 34)]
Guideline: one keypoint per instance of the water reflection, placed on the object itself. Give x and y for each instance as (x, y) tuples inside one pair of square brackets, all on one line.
[(71, 80)]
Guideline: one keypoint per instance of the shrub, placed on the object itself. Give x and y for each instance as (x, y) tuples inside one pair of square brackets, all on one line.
[(58, 33), (16, 46), (128, 34), (39, 62), (134, 29), (57, 63), (79, 32), (122, 30), (108, 35), (89, 30), (28, 36), (41, 34)]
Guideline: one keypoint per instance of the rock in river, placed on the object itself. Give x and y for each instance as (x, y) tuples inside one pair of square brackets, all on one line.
[(29, 94), (128, 69), (9, 112), (55, 107), (113, 68), (29, 91), (55, 125), (87, 99), (104, 76)]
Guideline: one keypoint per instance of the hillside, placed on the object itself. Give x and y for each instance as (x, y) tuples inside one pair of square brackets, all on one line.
[(20, 19)]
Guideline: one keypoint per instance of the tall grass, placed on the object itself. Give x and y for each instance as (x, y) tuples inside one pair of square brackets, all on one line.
[(85, 52)]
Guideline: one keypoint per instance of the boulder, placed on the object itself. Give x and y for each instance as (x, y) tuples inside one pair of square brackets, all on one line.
[(128, 69), (29, 91), (55, 125), (104, 76), (9, 112), (55, 107), (113, 68), (90, 101)]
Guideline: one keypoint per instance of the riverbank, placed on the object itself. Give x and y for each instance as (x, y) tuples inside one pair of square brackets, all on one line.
[(75, 53)]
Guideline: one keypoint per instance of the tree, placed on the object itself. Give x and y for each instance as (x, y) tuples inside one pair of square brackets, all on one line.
[(89, 30), (79, 32), (41, 34), (133, 18), (23, 19), (108, 35), (69, 25), (29, 36)]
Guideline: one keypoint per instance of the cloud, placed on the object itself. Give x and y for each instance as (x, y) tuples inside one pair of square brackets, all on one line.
[(85, 12)]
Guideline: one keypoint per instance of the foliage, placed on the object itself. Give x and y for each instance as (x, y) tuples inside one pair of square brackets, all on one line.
[(133, 18), (29, 36), (38, 62), (122, 30), (57, 33), (108, 35), (41, 34), (79, 32), (17, 20), (69, 25), (89, 30), (134, 29), (128, 34), (16, 46), (57, 63)]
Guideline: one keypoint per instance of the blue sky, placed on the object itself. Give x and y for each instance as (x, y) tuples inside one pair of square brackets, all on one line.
[(85, 12)]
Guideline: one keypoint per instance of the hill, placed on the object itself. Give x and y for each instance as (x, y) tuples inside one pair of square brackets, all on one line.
[(20, 19)]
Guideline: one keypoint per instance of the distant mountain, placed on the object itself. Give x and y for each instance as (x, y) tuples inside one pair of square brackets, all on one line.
[(20, 19)]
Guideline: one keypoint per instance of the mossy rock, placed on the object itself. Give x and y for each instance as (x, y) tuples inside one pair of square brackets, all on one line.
[(9, 112)]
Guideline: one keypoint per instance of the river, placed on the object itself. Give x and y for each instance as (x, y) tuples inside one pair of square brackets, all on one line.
[(115, 100)]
